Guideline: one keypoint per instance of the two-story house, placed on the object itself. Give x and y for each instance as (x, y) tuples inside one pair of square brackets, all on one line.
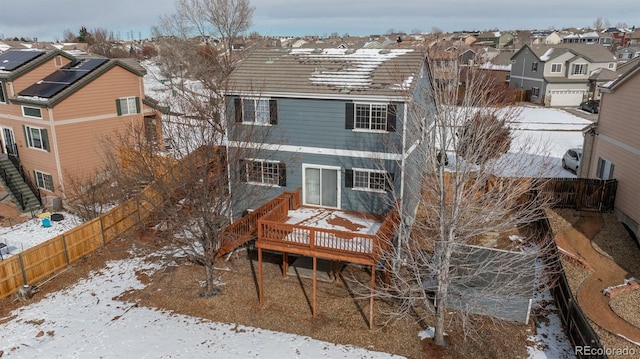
[(615, 148), (340, 118), (561, 74), (338, 133), (55, 110)]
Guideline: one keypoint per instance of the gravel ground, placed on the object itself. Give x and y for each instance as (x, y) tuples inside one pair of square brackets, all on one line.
[(612, 241)]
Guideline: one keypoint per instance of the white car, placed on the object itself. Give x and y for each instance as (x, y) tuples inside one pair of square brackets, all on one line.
[(571, 159)]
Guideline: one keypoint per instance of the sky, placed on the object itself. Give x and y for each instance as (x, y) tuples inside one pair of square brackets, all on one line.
[(47, 20)]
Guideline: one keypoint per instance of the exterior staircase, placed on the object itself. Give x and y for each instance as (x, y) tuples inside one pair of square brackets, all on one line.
[(18, 185)]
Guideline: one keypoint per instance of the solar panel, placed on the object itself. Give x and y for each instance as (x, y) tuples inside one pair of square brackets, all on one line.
[(11, 60), (62, 78)]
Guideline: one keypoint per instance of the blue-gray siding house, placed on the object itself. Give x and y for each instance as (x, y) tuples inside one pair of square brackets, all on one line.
[(340, 124), (561, 75)]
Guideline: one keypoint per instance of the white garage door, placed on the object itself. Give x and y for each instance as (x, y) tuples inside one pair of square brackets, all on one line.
[(562, 98)]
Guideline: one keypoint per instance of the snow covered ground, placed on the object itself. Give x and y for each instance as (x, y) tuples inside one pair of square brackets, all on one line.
[(30, 233), (88, 321)]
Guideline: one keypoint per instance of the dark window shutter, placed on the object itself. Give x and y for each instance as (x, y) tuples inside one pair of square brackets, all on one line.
[(35, 176), (282, 174), (273, 112), (348, 117), (238, 105), (391, 117), (243, 170), (389, 179), (45, 139), (348, 178), (611, 172), (137, 104), (26, 135), (118, 108)]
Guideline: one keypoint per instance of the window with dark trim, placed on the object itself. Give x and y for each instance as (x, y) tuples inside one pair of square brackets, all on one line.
[(535, 91), (36, 137), (605, 169), (556, 68), (372, 117), (534, 66), (3, 95), (257, 111), (263, 172), (128, 105), (44, 180), (34, 112), (369, 180)]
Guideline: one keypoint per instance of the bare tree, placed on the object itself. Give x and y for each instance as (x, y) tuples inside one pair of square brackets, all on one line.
[(597, 24), (474, 196), (208, 20)]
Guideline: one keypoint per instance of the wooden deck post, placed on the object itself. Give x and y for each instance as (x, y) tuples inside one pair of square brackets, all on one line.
[(260, 285), (285, 263), (373, 286), (315, 301)]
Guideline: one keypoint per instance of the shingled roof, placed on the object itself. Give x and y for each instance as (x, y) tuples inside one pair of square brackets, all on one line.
[(592, 52), (327, 72)]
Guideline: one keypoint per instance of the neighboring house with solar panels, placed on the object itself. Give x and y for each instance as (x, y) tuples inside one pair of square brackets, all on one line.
[(55, 109)]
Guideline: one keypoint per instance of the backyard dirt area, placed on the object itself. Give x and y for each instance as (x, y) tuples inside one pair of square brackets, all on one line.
[(342, 317)]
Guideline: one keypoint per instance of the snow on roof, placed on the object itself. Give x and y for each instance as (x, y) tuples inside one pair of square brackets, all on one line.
[(491, 66), (358, 66), (547, 55)]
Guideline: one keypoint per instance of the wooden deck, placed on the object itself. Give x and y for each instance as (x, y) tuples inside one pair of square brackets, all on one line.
[(273, 229)]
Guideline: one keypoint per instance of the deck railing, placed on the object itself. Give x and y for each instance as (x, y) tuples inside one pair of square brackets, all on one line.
[(309, 238)]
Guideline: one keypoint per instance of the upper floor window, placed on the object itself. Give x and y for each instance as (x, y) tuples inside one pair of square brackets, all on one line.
[(579, 69), (36, 138), (534, 66), (369, 180), (31, 112), (257, 111), (373, 117), (612, 65), (128, 105), (556, 68), (44, 180), (263, 172)]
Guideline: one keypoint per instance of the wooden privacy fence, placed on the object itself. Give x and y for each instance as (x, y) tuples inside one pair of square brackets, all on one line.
[(583, 194), (576, 325), (41, 261)]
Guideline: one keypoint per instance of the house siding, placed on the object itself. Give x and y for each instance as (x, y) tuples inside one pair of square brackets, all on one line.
[(618, 141), (36, 74), (321, 124), (522, 77)]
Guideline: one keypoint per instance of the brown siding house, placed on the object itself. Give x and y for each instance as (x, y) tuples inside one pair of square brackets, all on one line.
[(616, 144), (55, 109)]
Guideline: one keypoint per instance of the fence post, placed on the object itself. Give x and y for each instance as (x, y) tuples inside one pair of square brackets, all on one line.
[(104, 243), (579, 196), (24, 275), (66, 250)]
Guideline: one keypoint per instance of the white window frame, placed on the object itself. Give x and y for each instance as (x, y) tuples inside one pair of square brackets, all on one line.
[(556, 68), (31, 140), (125, 105), (264, 180), (364, 171), (41, 181), (261, 111), (612, 65), (31, 107), (338, 182), (583, 69), (379, 110)]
